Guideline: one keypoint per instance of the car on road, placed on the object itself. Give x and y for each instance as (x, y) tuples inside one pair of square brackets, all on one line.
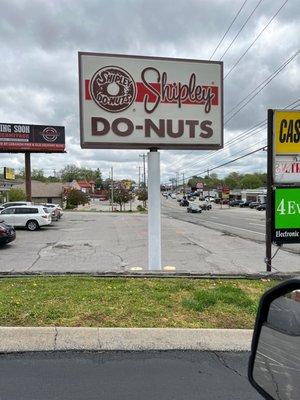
[(194, 208), (184, 203), (31, 217), (172, 195), (7, 233), (205, 205), (254, 204), (261, 207), (235, 203), (210, 199), (245, 203)]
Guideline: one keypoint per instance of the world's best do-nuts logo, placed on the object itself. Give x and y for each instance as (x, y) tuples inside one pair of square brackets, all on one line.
[(113, 89), (50, 134)]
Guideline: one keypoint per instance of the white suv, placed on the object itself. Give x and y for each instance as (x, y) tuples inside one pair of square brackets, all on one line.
[(31, 217), (15, 203)]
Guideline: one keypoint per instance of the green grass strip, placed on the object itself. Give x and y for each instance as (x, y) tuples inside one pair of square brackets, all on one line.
[(130, 302)]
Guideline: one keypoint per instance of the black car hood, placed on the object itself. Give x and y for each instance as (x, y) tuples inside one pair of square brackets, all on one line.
[(5, 225)]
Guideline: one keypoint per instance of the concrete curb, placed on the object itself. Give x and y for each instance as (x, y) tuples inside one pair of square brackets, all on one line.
[(19, 339)]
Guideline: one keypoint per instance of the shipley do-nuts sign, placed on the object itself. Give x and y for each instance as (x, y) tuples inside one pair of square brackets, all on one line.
[(143, 102)]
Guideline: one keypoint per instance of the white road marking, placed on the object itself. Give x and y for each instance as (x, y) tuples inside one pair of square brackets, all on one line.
[(256, 224), (234, 227)]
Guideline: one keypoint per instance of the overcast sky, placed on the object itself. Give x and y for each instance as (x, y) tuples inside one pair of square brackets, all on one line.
[(39, 41)]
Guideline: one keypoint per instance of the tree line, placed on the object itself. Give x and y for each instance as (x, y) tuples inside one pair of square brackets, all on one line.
[(234, 180), (67, 174)]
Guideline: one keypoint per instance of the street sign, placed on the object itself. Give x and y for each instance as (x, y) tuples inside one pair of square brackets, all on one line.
[(19, 138), (286, 215), (136, 102), (286, 132), (9, 173)]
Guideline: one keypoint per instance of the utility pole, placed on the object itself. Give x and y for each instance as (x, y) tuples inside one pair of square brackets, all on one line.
[(183, 183), (208, 185), (144, 168), (139, 185), (112, 188), (177, 179)]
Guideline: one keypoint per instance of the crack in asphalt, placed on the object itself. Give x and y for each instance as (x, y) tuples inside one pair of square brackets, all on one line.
[(122, 261), (55, 337), (225, 364), (197, 244), (39, 255)]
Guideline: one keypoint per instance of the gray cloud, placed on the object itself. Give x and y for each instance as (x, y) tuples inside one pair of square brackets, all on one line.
[(38, 69)]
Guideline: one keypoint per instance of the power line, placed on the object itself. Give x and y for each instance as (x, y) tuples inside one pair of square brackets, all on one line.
[(242, 27), (261, 86), (223, 37), (255, 40), (242, 150), (230, 162), (260, 125), (233, 141)]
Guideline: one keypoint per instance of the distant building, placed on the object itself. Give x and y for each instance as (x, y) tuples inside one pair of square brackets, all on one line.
[(87, 187), (259, 194), (45, 192)]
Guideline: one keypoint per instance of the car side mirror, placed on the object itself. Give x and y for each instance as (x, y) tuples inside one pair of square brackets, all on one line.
[(274, 364)]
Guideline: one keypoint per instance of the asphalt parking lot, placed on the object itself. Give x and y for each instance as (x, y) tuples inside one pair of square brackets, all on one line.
[(95, 242)]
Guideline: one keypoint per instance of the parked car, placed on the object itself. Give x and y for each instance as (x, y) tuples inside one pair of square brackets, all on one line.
[(254, 204), (235, 203), (55, 209), (31, 217), (261, 207), (15, 203), (52, 210), (193, 208), (7, 233), (245, 203)]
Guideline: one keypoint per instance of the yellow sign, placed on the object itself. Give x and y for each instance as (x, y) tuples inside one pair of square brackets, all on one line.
[(9, 173), (287, 132)]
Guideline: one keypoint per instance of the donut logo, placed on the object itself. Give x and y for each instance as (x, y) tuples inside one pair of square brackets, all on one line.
[(112, 89), (50, 134)]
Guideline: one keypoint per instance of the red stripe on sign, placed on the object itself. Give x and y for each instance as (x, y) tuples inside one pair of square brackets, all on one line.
[(87, 90), (142, 91)]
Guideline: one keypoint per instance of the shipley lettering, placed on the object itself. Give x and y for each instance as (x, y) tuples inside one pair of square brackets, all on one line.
[(176, 92)]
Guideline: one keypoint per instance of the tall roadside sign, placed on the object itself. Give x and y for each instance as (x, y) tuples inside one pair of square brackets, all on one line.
[(133, 102), (283, 199), (27, 139)]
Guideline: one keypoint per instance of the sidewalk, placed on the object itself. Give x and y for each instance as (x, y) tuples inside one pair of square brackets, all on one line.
[(15, 339)]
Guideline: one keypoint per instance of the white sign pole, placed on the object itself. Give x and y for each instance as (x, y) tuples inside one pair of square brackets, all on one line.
[(154, 211)]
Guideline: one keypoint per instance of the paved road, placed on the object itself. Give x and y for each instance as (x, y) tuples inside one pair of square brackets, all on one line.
[(94, 242), (243, 222), (126, 376)]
